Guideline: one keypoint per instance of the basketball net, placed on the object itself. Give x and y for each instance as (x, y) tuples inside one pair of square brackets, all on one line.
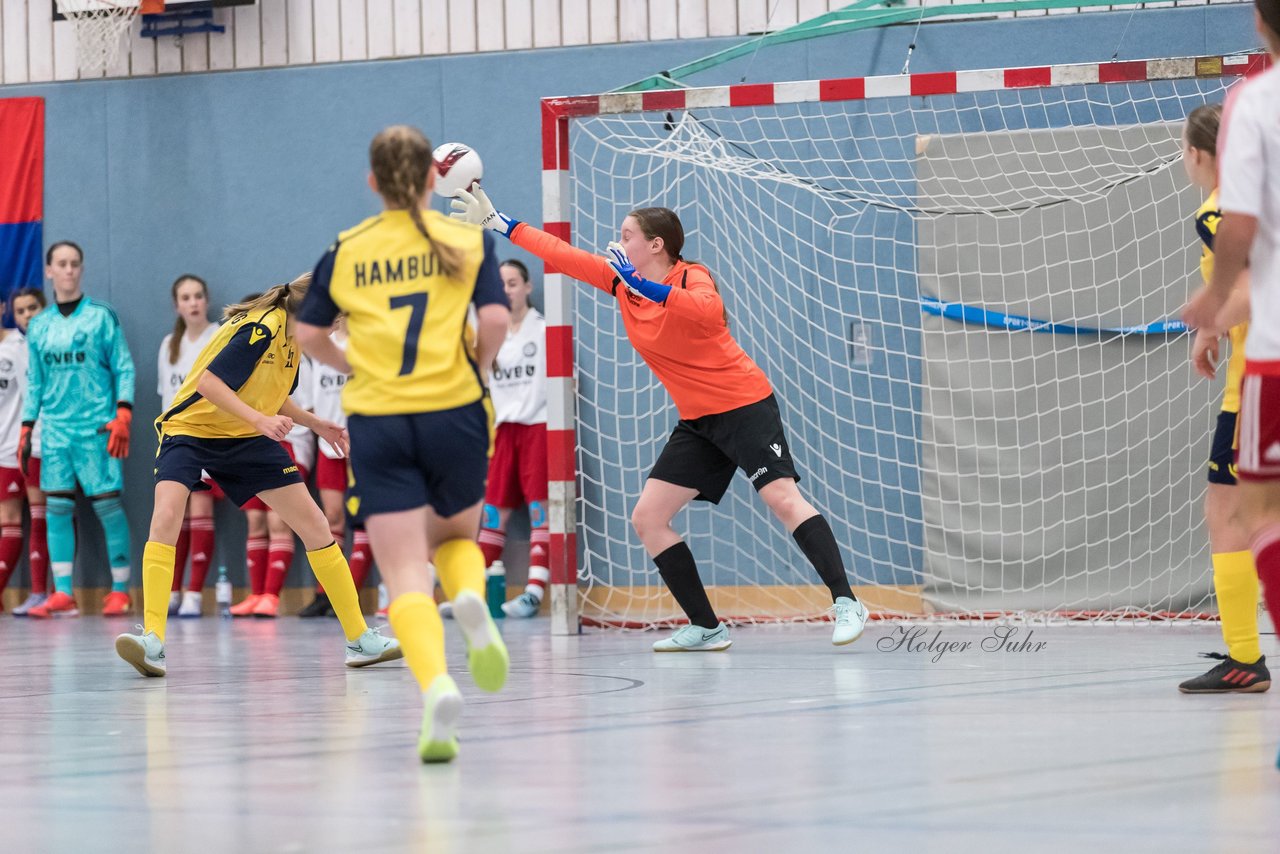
[(100, 26)]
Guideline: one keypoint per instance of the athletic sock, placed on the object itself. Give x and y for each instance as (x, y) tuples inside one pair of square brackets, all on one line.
[(361, 557), (279, 559), (157, 572), (1236, 583), (332, 571), (537, 584), (115, 525), (62, 541), (1266, 557), (492, 542), (201, 551), (180, 554), (816, 540), (460, 564), (255, 558), (539, 550), (10, 552), (416, 623), (38, 550), (680, 572)]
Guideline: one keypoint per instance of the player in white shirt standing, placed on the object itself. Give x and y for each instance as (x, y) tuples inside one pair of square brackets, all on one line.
[(331, 473), (191, 331), (27, 303), (1249, 236), (518, 468), (13, 382)]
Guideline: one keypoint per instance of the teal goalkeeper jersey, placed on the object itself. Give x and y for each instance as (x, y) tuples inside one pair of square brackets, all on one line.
[(79, 368)]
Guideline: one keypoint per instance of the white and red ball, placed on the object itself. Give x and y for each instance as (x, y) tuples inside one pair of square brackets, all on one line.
[(458, 167)]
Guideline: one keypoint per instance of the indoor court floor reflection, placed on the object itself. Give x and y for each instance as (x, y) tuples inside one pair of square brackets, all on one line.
[(260, 740)]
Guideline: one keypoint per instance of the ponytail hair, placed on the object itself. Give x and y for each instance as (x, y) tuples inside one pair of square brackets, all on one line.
[(400, 159), (180, 325), (1202, 128), (289, 297)]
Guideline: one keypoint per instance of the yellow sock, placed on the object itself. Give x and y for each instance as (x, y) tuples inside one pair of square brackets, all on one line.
[(1235, 580), (416, 622), (461, 567), (334, 574), (157, 579)]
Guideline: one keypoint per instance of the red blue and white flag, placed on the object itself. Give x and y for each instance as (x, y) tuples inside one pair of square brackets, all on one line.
[(21, 193)]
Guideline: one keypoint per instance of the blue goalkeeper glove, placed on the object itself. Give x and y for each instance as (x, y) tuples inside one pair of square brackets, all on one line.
[(635, 283), (476, 209)]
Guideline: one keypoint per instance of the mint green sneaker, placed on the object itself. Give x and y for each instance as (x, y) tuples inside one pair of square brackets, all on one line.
[(486, 653), (851, 621), (144, 651), (371, 648), (442, 705), (696, 639)]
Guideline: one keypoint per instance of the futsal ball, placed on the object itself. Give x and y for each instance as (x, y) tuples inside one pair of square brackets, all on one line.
[(458, 167)]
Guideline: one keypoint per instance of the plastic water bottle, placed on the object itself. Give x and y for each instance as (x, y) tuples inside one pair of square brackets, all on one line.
[(495, 588), (222, 592)]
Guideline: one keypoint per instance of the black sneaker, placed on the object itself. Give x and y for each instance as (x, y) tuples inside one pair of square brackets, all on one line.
[(1230, 677), (319, 607)]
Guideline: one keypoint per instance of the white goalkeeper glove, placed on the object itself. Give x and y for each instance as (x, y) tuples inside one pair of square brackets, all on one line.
[(475, 208)]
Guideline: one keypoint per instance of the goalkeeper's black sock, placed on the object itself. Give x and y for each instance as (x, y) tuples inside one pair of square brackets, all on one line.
[(680, 571), (818, 543)]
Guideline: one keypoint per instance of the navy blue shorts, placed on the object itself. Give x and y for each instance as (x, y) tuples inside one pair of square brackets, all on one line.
[(402, 462), (242, 467), (1222, 454)]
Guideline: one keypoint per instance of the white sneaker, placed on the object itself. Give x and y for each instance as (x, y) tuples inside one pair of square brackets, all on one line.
[(696, 639), (33, 600), (192, 604), (446, 610), (371, 648), (524, 605), (144, 651), (851, 620), (441, 706), (175, 602), (487, 655)]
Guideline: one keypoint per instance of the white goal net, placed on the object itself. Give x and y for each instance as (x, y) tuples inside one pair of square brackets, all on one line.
[(962, 301)]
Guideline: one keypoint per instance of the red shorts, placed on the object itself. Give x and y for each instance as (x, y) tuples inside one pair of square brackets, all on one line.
[(1258, 451), (214, 489), (330, 474), (256, 503), (518, 468), (33, 468), (13, 484)]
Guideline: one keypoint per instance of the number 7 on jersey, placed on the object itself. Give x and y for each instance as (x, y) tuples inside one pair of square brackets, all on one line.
[(417, 305)]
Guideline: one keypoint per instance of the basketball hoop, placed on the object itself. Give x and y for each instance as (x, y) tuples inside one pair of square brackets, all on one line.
[(100, 26)]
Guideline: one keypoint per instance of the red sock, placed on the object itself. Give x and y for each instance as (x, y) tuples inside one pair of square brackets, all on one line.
[(361, 557), (201, 551), (492, 542), (38, 550), (256, 558), (279, 560), (10, 551), (539, 551), (1266, 557), (180, 552)]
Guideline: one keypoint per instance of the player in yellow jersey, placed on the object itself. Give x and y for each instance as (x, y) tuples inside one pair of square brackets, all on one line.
[(228, 418), (1243, 668), (418, 412)]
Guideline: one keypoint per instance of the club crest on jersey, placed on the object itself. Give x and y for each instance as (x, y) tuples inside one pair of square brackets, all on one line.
[(6, 365), (256, 334), (530, 349)]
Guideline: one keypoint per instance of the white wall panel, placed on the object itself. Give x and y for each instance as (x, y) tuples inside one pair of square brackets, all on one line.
[(299, 32)]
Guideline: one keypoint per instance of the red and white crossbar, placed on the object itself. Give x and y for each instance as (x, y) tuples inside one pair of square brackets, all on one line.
[(556, 113)]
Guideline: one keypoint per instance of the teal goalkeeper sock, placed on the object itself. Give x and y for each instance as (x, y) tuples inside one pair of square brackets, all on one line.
[(115, 525), (62, 541)]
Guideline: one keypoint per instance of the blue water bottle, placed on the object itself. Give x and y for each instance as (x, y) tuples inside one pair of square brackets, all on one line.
[(495, 589)]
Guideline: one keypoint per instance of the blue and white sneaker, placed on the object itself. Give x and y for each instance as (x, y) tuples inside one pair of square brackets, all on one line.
[(372, 648), (33, 600), (696, 639), (144, 651), (851, 621), (523, 606), (175, 602)]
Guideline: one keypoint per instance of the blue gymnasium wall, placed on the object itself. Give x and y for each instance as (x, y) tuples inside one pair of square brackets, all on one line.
[(244, 177)]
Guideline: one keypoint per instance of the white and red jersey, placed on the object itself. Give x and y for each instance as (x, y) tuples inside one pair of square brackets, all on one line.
[(518, 387), (1249, 183), (13, 384), (301, 439), (170, 376), (326, 393)]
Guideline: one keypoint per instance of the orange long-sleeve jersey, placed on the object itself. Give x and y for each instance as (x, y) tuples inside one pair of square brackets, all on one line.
[(685, 341)]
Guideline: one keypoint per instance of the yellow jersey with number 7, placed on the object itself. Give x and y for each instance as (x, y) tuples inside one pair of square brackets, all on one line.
[(407, 319)]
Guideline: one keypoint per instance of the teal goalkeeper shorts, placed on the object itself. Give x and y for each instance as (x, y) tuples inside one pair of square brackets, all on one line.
[(86, 461)]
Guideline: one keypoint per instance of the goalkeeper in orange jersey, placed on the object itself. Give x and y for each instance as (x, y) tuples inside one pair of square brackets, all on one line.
[(729, 416)]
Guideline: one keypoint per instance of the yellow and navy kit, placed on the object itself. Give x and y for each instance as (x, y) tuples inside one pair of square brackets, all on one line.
[(408, 324), (256, 358), (1207, 219)]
